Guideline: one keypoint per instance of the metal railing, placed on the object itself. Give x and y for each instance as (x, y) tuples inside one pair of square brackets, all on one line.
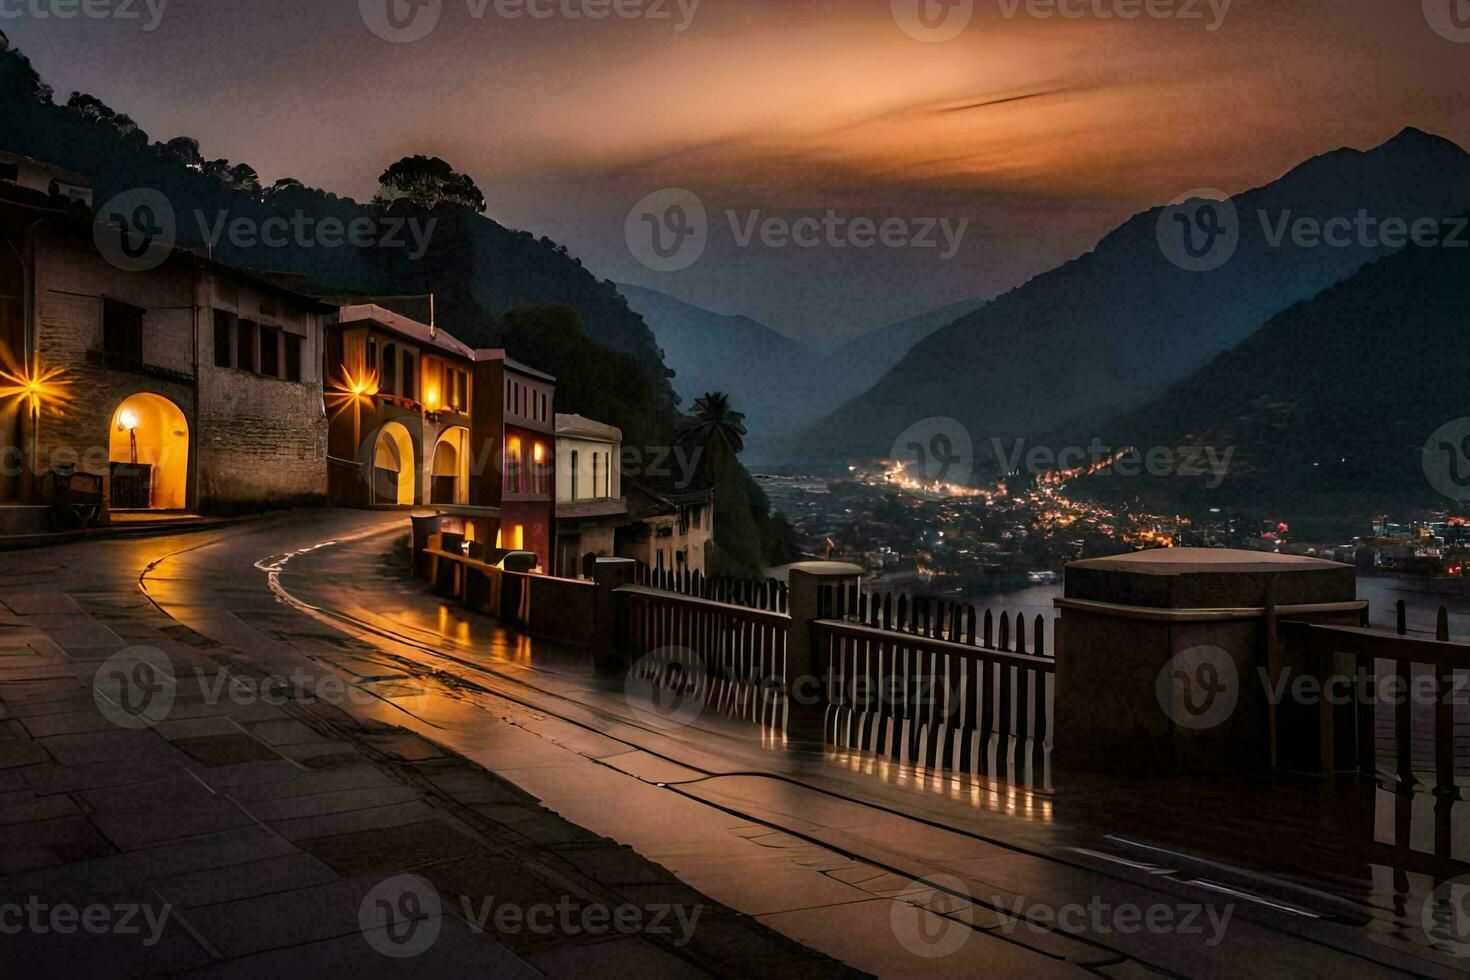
[(939, 694), (731, 658)]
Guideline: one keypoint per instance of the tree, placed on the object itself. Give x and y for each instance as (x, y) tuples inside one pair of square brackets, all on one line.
[(91, 107), (185, 150), (428, 182), (244, 177), (715, 419), (19, 77)]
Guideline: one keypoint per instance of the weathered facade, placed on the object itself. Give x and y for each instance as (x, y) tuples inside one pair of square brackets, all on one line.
[(590, 506), (181, 383)]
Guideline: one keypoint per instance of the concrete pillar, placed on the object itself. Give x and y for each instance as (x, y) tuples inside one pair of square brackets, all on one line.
[(1160, 656), (610, 574), (803, 665), (425, 523)]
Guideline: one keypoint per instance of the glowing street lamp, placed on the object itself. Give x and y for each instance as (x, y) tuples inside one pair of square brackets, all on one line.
[(36, 388)]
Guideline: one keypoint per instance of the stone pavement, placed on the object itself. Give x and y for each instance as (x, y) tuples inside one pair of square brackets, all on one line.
[(258, 830)]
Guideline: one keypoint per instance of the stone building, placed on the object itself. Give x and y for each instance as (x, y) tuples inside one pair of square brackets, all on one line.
[(590, 506), (182, 383), (670, 531)]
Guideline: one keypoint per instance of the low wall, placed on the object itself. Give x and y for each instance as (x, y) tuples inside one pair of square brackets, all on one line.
[(555, 608)]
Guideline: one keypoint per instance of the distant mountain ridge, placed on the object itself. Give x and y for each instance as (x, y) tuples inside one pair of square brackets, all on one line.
[(1328, 407), (779, 383), (1120, 322)]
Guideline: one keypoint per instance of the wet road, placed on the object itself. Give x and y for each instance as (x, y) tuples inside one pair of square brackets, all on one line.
[(813, 844)]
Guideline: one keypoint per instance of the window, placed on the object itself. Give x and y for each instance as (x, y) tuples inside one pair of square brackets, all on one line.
[(222, 339), (607, 476), (122, 333), (270, 351), (293, 357), (575, 463), (267, 306), (594, 474), (390, 370), (410, 375), (513, 465), (245, 345), (461, 391), (10, 171), (370, 363)]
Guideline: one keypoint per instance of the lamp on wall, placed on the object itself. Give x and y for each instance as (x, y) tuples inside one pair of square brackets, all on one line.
[(128, 419)]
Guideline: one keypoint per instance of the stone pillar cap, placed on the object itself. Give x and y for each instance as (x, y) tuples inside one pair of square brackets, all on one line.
[(827, 569), (1209, 578), (1187, 561)]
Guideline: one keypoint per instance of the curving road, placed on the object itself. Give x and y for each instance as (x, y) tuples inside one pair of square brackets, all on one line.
[(815, 845)]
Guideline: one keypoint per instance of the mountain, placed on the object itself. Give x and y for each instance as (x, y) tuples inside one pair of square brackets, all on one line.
[(764, 372), (863, 361), (779, 383), (1122, 321), (1327, 408)]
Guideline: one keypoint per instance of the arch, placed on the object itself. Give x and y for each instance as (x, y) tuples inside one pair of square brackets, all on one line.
[(393, 466), (148, 449), (450, 476)]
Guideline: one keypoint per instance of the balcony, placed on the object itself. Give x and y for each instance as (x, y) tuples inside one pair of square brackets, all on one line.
[(114, 361)]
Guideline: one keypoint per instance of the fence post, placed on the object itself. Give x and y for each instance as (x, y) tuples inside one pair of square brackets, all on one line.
[(804, 667), (610, 574), (425, 523)]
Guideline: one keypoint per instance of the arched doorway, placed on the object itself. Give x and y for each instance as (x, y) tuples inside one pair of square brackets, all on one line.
[(450, 473), (148, 449), (393, 466)]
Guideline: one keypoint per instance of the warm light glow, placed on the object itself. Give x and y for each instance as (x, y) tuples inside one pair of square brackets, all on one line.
[(352, 390), (38, 389), (431, 399), (127, 419), (511, 538), (539, 453)]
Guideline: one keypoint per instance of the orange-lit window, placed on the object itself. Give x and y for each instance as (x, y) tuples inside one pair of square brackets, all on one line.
[(513, 465), (511, 538)]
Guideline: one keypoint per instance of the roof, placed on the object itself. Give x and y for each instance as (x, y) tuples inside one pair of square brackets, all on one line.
[(647, 502), (77, 219), (51, 170), (390, 322), (578, 427), (498, 354)]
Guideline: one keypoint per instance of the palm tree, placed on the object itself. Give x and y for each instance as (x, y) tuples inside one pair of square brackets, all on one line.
[(713, 419)]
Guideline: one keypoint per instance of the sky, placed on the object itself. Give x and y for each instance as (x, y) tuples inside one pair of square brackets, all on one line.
[(988, 140)]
